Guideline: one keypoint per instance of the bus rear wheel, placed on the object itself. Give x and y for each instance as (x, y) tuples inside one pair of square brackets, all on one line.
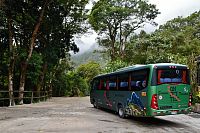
[(121, 111)]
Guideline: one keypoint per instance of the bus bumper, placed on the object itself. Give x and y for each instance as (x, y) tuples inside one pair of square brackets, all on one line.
[(170, 112)]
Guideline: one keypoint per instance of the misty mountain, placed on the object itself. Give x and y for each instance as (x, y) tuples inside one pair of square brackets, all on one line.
[(88, 55)]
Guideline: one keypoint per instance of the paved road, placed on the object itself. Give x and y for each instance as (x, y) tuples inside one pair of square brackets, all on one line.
[(76, 115)]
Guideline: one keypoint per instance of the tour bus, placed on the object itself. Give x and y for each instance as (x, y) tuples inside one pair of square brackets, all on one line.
[(144, 90)]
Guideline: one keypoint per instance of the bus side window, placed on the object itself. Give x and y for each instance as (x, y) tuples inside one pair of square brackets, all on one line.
[(139, 79), (112, 83), (95, 84), (123, 82)]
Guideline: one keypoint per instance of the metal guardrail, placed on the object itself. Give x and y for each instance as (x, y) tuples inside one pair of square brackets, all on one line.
[(32, 95)]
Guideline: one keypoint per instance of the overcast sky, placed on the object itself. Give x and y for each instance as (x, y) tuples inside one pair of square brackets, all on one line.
[(169, 9)]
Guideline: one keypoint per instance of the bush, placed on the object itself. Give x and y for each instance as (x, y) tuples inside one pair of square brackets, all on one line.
[(195, 99), (76, 85)]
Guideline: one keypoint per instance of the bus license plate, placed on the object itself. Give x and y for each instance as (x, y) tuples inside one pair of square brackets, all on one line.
[(174, 112)]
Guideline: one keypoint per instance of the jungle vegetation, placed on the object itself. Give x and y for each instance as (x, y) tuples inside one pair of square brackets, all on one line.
[(36, 37)]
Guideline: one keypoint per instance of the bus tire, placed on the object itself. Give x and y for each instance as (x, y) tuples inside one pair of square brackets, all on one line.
[(121, 111), (95, 104)]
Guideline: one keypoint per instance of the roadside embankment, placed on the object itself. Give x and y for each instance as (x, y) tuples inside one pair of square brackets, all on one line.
[(196, 108)]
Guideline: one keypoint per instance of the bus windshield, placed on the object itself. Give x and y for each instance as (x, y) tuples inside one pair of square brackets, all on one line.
[(172, 76)]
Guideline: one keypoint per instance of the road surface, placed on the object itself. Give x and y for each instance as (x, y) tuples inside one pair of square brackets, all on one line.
[(77, 115)]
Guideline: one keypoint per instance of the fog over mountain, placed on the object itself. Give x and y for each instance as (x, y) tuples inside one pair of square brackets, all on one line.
[(89, 55)]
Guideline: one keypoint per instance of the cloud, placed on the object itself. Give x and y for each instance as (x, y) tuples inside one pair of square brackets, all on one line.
[(86, 41), (173, 8)]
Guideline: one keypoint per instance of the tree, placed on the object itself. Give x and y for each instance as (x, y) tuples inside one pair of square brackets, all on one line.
[(68, 82), (57, 36), (76, 85), (89, 70), (116, 20), (31, 46), (42, 33), (185, 41), (115, 65), (60, 80), (6, 9), (176, 41)]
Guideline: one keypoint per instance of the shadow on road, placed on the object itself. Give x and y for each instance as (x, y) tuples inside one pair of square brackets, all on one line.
[(155, 122), (145, 121)]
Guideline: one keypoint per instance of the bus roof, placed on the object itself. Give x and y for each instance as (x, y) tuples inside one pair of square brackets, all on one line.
[(130, 67), (167, 64), (138, 67)]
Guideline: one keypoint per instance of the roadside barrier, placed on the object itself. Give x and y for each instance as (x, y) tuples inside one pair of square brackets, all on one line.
[(29, 96)]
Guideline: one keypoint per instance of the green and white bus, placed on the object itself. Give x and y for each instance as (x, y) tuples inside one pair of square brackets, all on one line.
[(144, 90)]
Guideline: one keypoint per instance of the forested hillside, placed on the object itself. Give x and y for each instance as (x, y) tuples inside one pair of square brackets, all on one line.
[(91, 54)]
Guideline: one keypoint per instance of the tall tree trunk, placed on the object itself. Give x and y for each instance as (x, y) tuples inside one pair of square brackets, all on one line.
[(22, 81), (50, 88), (31, 46), (112, 38), (10, 83), (41, 78), (113, 51), (11, 59), (121, 43), (1, 3), (50, 84)]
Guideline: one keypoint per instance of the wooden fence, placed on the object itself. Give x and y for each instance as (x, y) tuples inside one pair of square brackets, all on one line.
[(32, 96)]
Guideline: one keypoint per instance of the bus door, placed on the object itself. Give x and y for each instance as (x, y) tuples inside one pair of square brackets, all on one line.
[(94, 92), (173, 89), (98, 92)]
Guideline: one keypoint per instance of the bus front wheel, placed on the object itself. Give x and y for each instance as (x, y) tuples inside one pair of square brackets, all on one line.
[(95, 104)]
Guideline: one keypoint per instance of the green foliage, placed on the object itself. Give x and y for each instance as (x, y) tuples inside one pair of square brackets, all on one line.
[(59, 78), (68, 82), (184, 41), (46, 70), (34, 69), (131, 13), (176, 41), (76, 85), (195, 98), (114, 65), (89, 70)]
